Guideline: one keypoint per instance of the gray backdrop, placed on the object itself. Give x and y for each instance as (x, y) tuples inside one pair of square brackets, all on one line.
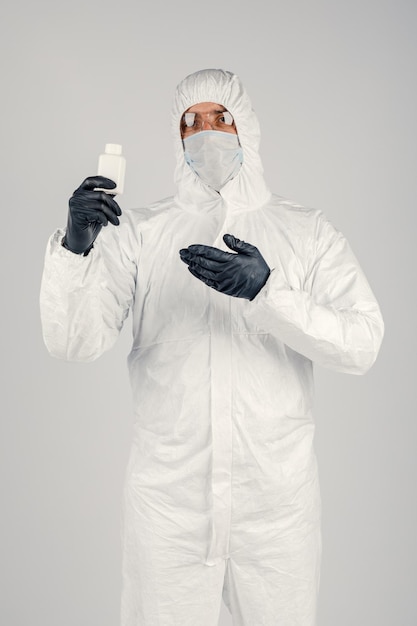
[(334, 85)]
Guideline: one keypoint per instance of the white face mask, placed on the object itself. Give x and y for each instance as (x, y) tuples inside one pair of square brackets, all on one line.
[(216, 157)]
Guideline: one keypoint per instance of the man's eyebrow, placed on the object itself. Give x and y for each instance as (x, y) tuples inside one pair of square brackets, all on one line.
[(211, 111)]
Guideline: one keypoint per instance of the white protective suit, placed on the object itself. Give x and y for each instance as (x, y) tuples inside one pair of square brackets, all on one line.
[(222, 494)]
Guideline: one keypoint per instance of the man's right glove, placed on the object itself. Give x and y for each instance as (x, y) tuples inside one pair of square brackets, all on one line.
[(89, 210)]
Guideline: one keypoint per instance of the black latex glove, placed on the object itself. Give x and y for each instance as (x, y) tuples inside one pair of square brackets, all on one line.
[(241, 275), (89, 210)]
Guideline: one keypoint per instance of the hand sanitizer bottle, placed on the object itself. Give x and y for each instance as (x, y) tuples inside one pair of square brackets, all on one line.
[(112, 164)]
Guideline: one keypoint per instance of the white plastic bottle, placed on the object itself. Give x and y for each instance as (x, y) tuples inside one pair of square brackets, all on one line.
[(112, 164)]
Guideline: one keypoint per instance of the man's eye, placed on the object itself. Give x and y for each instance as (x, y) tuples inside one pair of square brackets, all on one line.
[(227, 118)]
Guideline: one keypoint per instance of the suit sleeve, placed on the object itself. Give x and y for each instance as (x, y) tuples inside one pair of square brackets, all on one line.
[(334, 320), (84, 301)]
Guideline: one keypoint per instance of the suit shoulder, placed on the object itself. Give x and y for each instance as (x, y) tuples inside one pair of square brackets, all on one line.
[(295, 215), (142, 215)]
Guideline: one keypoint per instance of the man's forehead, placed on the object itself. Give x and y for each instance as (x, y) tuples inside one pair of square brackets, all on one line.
[(206, 107)]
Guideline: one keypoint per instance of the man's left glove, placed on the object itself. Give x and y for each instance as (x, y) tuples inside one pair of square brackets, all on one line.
[(241, 275)]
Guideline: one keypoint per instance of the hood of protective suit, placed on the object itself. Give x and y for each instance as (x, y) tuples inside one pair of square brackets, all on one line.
[(247, 190)]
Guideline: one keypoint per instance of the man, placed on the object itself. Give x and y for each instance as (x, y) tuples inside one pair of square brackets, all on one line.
[(222, 494)]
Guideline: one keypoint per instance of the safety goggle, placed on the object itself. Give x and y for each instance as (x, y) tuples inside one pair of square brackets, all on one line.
[(194, 122)]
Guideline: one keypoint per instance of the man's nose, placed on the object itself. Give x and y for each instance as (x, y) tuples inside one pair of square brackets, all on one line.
[(206, 125)]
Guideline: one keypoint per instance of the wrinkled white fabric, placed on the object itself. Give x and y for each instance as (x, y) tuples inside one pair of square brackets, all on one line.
[(215, 156), (222, 493)]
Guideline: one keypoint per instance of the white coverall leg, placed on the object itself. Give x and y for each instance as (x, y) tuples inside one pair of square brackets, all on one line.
[(222, 492)]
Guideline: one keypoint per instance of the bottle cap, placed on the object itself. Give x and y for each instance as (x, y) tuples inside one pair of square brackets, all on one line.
[(113, 148)]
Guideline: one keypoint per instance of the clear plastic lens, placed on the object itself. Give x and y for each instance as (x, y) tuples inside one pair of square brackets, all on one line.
[(189, 119)]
